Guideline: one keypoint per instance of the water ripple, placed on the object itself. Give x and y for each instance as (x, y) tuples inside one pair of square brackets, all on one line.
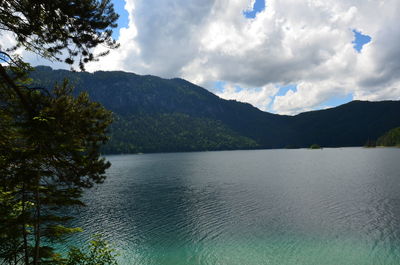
[(276, 207)]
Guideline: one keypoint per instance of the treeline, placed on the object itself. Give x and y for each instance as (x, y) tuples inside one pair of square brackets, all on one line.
[(170, 133), (391, 138)]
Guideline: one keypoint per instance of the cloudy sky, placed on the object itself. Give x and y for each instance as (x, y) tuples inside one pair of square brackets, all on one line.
[(282, 56)]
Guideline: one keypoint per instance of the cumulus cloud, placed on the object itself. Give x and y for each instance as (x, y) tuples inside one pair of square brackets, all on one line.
[(308, 95), (258, 97), (308, 43)]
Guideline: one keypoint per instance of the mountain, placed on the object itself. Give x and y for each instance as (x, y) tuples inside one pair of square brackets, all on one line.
[(159, 115)]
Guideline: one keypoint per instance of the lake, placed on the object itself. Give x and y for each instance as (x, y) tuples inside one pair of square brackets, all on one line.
[(302, 207)]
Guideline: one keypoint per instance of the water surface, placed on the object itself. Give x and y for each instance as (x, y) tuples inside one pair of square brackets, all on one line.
[(303, 207)]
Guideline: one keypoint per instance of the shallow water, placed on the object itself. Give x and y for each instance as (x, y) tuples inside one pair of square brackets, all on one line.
[(322, 207)]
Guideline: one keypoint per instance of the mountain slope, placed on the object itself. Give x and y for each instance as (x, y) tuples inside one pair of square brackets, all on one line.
[(390, 138), (172, 133), (351, 124), (168, 108)]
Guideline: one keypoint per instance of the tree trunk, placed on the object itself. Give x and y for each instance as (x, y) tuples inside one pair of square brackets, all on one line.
[(24, 233), (16, 89), (36, 259)]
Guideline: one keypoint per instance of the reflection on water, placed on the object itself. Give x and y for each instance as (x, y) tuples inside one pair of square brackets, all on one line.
[(331, 206)]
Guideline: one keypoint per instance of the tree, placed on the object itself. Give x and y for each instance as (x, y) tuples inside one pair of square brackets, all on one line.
[(48, 159), (49, 140), (99, 253), (390, 138), (52, 28), (315, 146), (10, 232)]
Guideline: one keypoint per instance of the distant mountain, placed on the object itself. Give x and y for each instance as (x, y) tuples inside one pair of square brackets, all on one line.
[(163, 115)]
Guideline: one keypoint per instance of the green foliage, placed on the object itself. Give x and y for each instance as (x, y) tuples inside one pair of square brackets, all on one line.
[(390, 138), (53, 153), (53, 27), (50, 139), (172, 132), (315, 146), (11, 212), (98, 253)]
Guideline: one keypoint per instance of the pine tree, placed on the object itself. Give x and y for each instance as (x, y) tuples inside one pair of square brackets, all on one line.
[(50, 155), (52, 28), (49, 140)]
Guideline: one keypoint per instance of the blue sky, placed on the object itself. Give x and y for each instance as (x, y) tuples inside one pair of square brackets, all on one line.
[(283, 56), (259, 5), (123, 16), (360, 40)]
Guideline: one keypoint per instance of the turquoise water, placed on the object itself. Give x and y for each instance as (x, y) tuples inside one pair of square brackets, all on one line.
[(323, 207)]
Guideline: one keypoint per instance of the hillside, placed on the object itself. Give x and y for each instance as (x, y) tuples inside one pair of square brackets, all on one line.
[(390, 138), (160, 115)]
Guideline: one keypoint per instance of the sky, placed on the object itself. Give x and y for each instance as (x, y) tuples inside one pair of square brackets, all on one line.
[(282, 56)]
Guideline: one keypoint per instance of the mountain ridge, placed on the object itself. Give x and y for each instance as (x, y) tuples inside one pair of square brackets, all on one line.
[(131, 97)]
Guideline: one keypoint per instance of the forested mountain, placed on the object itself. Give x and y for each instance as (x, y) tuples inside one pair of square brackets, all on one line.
[(159, 115)]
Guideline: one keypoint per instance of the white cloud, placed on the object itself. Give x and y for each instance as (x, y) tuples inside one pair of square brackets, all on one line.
[(308, 43), (250, 5), (7, 40), (308, 95), (258, 97)]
